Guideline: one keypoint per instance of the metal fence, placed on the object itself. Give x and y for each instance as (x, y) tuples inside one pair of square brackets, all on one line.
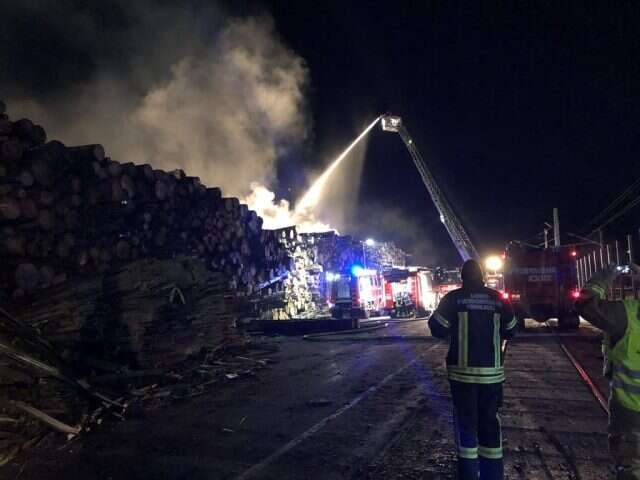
[(620, 252)]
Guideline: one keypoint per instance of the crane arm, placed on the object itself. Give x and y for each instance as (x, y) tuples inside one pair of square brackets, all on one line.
[(454, 227)]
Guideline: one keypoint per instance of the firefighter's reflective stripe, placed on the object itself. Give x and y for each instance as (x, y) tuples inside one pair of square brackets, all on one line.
[(491, 453), (624, 359), (441, 320), (483, 379), (512, 323), (470, 453), (496, 340), (463, 339), (476, 370), (596, 289), (621, 369), (625, 387)]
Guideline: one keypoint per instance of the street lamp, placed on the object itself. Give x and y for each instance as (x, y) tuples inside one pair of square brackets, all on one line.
[(369, 242)]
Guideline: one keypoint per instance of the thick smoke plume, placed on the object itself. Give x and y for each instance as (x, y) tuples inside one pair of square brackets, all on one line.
[(221, 98)]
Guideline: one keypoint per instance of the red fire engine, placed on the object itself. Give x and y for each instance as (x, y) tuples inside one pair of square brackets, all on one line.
[(446, 281), (542, 284), (399, 292), (356, 294), (408, 291)]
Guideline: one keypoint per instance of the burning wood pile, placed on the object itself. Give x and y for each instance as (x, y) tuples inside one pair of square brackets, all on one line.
[(114, 274), (385, 255), (298, 290), (337, 253), (303, 292), (65, 211)]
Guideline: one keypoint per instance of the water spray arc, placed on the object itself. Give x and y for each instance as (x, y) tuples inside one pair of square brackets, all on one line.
[(311, 198)]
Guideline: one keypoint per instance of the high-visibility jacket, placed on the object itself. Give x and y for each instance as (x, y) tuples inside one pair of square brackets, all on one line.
[(476, 321), (622, 361), (621, 324)]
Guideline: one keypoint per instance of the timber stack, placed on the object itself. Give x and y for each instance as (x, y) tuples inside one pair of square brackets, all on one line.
[(67, 211), (110, 270)]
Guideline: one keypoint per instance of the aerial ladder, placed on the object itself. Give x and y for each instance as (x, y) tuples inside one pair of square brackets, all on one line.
[(458, 234)]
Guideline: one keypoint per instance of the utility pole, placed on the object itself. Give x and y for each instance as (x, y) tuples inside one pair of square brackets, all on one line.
[(546, 238), (556, 228)]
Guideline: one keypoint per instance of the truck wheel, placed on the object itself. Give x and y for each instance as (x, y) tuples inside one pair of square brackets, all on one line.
[(570, 321)]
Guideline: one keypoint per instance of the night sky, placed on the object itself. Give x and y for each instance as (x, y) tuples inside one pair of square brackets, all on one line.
[(517, 107)]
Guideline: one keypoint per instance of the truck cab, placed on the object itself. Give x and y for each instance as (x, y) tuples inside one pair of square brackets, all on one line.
[(542, 283)]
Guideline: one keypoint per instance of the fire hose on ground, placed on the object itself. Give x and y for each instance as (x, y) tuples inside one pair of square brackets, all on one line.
[(353, 335)]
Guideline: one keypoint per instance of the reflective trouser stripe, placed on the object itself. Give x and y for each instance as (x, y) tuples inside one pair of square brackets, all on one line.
[(463, 338), (470, 453), (512, 323), (475, 370), (476, 378), (488, 452), (496, 340)]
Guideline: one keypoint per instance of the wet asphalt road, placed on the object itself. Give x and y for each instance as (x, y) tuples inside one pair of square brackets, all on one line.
[(345, 409)]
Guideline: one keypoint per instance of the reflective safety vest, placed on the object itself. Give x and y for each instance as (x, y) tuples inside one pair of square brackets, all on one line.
[(623, 360), (460, 369), (475, 322)]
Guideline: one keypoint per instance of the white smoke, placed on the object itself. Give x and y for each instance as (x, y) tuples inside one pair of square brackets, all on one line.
[(224, 109), (225, 117), (278, 213)]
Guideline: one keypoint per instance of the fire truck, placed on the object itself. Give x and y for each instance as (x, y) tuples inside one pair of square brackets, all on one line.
[(398, 292), (542, 283), (408, 291), (355, 294), (446, 281)]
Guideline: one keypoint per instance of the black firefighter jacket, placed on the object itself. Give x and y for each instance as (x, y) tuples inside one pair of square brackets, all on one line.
[(475, 320)]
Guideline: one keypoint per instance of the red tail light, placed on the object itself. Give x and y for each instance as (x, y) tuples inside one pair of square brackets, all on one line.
[(574, 253), (505, 295), (575, 293)]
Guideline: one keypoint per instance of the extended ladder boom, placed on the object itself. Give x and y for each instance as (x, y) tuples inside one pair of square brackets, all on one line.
[(451, 222)]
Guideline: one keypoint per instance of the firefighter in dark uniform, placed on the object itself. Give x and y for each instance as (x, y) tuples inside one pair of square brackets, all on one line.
[(476, 320)]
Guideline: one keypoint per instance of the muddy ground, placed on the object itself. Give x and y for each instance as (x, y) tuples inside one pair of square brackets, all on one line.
[(351, 408)]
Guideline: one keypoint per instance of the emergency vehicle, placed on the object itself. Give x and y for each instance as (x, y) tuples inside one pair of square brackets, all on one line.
[(542, 283), (446, 281), (408, 291), (355, 294)]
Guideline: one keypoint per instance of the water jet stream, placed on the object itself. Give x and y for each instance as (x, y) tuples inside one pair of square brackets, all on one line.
[(311, 198)]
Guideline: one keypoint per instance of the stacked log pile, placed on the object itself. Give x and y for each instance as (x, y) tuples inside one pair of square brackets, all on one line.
[(338, 253), (294, 298), (148, 318), (385, 255), (70, 210), (147, 314)]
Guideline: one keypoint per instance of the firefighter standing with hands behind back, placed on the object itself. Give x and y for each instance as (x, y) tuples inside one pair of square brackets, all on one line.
[(620, 321), (476, 320)]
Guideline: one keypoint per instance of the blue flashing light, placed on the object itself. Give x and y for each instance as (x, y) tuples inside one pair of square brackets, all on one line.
[(357, 270)]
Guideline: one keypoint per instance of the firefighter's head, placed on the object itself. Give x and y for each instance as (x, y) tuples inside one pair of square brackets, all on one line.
[(472, 273)]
